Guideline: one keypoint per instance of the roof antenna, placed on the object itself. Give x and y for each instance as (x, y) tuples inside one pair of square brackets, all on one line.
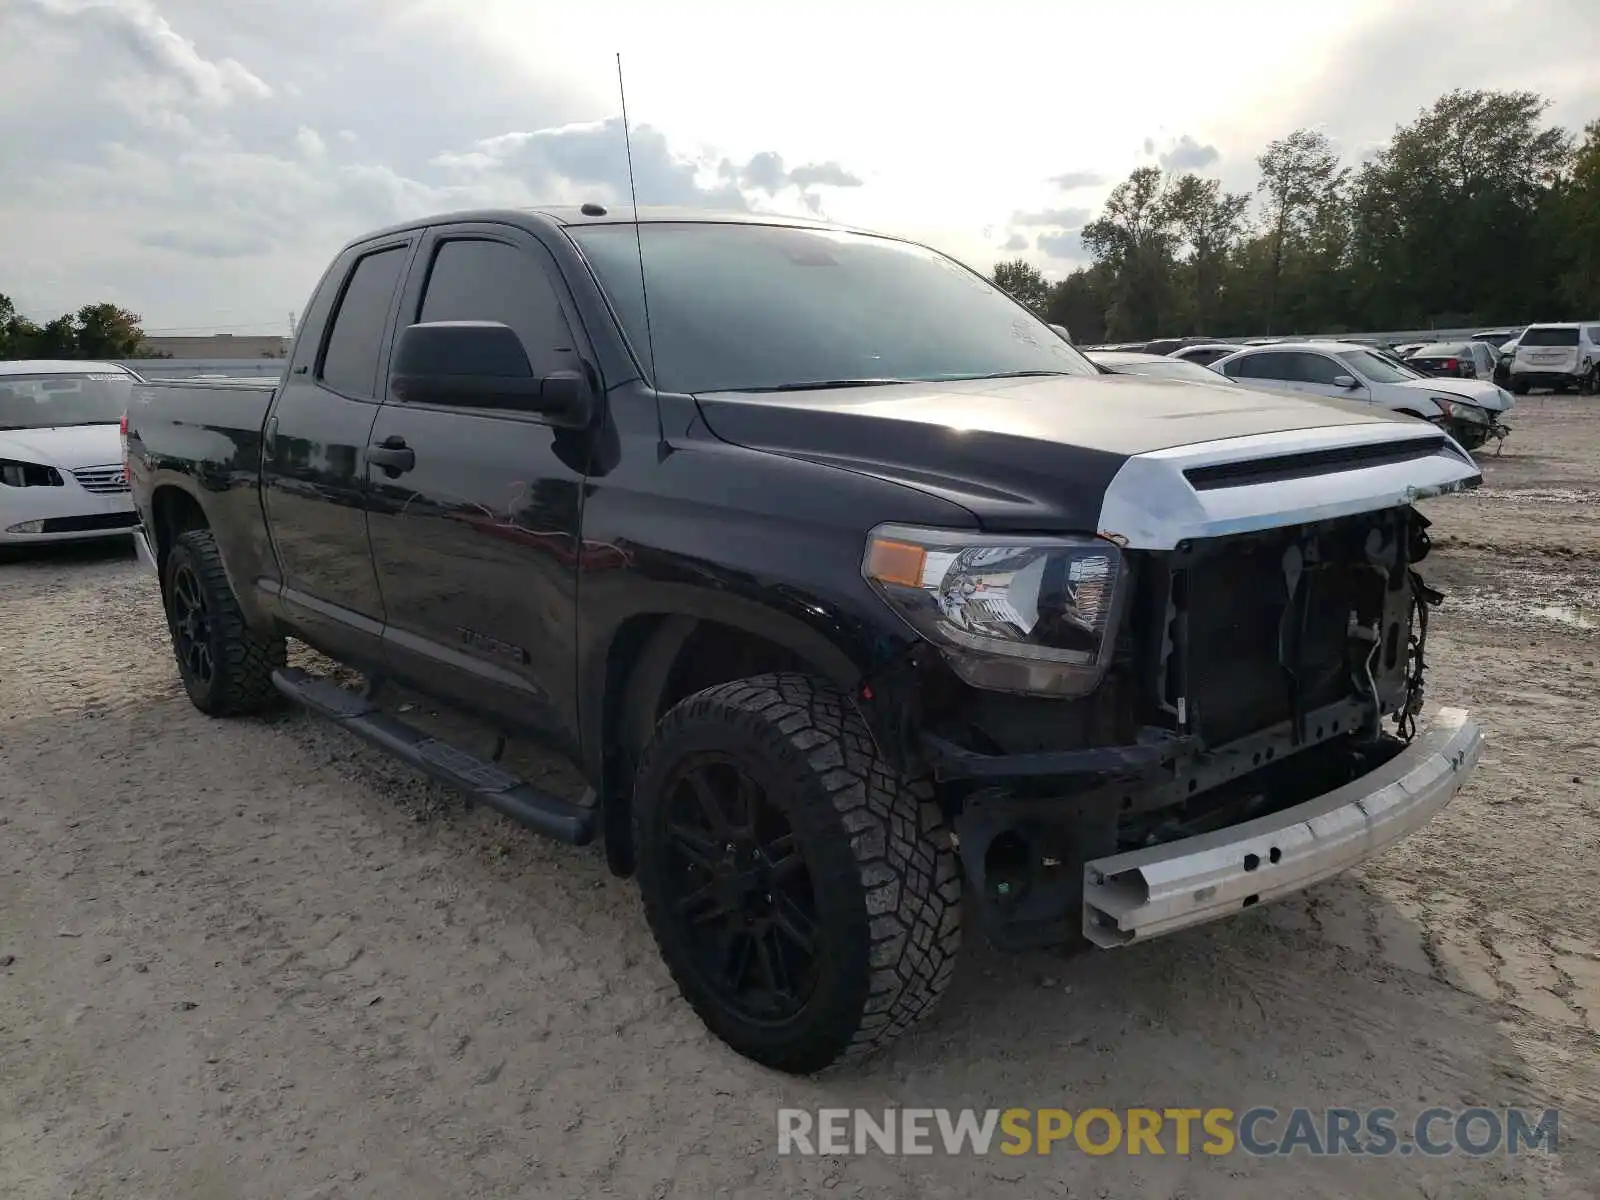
[(638, 241)]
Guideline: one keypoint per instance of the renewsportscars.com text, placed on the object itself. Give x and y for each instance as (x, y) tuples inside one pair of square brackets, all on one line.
[(1260, 1132)]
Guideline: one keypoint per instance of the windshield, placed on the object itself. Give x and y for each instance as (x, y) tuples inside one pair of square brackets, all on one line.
[(1378, 369), (1550, 337), (759, 307), (45, 401), (1176, 368)]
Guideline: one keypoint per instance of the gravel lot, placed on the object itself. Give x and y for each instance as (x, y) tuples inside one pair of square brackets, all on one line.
[(256, 959)]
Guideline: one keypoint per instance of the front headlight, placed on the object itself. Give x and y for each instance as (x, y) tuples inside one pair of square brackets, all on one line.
[(1035, 615), (26, 474)]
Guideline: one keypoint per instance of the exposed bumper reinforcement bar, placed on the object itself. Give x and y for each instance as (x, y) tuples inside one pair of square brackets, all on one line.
[(1142, 894)]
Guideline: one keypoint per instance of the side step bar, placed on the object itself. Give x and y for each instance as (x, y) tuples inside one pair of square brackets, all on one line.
[(481, 781)]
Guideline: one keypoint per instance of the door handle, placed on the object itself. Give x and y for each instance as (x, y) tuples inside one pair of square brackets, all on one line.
[(269, 438), (392, 455)]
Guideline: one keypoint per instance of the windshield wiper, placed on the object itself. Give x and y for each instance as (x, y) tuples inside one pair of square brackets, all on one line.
[(1005, 375), (817, 385)]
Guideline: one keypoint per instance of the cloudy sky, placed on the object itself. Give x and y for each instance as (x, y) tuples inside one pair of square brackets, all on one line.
[(198, 161)]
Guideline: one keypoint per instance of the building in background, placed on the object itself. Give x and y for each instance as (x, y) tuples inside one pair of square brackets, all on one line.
[(220, 345)]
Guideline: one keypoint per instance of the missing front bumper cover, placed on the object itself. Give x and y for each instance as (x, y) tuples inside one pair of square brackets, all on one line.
[(1141, 894)]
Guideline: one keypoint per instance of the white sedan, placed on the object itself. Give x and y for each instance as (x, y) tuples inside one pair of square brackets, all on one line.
[(61, 470), (1468, 409)]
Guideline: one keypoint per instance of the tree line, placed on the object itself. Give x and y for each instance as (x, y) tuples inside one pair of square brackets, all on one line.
[(96, 331), (1478, 212)]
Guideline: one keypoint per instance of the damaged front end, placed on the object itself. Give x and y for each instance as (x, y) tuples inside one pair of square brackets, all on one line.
[(1251, 673), (1252, 726)]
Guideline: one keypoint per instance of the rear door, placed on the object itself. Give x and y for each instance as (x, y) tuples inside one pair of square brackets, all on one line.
[(313, 471), (476, 541)]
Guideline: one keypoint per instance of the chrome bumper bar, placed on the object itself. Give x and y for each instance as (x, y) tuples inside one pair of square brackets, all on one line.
[(141, 547), (1142, 894)]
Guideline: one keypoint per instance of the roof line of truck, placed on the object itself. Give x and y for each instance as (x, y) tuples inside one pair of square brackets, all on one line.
[(564, 216)]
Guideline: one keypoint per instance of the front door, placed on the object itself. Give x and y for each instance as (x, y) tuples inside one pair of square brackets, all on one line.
[(475, 534), (313, 469), (1314, 373)]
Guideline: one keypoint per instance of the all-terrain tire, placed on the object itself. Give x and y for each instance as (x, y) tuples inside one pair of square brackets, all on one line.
[(242, 661), (884, 877)]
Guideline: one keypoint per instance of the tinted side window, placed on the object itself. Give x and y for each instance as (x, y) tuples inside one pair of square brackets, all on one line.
[(1264, 366), (473, 279), (350, 363), (1311, 368)]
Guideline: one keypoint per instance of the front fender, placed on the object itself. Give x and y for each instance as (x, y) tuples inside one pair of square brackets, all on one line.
[(842, 646)]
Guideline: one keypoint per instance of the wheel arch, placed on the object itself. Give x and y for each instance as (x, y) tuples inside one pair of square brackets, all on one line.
[(174, 511), (653, 659)]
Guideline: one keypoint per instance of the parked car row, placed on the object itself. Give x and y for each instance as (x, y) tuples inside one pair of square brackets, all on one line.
[(1470, 410), (1562, 355)]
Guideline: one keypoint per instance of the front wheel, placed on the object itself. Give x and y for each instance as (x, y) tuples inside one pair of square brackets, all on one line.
[(805, 897), (226, 666)]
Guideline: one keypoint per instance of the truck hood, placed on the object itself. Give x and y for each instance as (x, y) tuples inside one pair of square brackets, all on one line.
[(1031, 452), (1486, 395), (1049, 453), (68, 447)]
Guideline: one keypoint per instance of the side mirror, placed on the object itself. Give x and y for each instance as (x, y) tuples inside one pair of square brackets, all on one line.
[(1348, 382), (1064, 333), (483, 364)]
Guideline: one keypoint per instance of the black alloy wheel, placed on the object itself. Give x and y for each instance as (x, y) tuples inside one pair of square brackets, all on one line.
[(739, 885), (226, 666), (191, 626), (804, 894)]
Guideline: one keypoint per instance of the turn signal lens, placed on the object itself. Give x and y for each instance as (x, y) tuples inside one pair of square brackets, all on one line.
[(896, 562)]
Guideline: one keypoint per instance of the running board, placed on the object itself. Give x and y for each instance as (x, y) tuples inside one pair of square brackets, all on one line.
[(480, 780)]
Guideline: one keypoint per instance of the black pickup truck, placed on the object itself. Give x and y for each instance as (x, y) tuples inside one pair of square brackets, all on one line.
[(858, 595)]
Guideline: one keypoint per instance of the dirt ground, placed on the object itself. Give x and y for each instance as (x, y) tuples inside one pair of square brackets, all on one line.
[(256, 959)]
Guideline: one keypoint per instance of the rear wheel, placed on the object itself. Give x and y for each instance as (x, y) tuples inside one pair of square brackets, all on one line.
[(805, 897), (226, 667), (1519, 387)]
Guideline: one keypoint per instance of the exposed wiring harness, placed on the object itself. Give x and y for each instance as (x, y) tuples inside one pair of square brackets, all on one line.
[(1423, 598)]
